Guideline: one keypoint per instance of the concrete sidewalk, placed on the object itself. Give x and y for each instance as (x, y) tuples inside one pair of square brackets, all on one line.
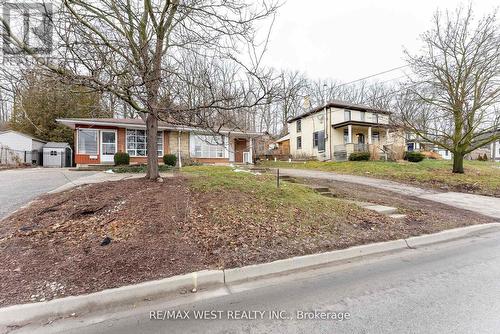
[(485, 205)]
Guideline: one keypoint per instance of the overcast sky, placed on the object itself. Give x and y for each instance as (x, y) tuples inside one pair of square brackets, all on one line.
[(347, 40)]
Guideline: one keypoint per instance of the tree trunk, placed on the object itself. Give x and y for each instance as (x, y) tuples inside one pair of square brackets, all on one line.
[(152, 146), (458, 162)]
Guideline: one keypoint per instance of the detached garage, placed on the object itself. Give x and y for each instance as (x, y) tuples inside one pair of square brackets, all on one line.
[(18, 148), (57, 155)]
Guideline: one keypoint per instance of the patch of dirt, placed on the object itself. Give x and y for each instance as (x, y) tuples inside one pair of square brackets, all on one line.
[(53, 248)]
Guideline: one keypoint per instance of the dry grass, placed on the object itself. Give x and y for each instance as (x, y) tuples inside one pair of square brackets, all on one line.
[(479, 177)]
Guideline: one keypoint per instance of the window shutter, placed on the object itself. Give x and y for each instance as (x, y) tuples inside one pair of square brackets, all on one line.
[(321, 141)]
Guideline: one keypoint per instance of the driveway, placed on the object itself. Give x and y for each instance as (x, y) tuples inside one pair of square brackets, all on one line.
[(486, 205), (19, 186)]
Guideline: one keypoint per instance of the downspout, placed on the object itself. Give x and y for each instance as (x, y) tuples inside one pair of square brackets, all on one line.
[(330, 133), (327, 137), (179, 134)]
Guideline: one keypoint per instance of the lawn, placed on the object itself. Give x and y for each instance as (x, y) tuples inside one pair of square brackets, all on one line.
[(111, 234), (479, 177)]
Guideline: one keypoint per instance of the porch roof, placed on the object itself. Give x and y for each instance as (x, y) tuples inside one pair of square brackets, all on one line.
[(360, 123), (134, 123)]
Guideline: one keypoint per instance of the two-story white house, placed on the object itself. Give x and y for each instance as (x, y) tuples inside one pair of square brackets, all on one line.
[(336, 129)]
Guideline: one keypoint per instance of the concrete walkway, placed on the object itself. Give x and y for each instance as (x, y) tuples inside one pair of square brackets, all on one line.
[(486, 205), (96, 178)]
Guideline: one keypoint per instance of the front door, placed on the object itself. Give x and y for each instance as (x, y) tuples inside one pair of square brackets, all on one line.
[(361, 138), (240, 146), (108, 146)]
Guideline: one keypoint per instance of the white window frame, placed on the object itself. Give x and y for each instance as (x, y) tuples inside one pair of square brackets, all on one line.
[(78, 141), (347, 112), (105, 157), (145, 143), (219, 148)]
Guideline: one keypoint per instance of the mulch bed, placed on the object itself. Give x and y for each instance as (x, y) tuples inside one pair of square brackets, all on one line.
[(58, 246), (53, 248)]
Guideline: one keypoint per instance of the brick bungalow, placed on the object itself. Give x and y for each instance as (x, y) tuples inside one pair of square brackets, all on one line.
[(98, 139)]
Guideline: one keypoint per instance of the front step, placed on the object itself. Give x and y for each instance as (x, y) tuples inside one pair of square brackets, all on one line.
[(397, 216), (259, 170), (385, 210), (321, 189)]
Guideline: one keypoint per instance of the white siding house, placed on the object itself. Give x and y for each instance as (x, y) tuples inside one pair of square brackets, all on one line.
[(335, 130)]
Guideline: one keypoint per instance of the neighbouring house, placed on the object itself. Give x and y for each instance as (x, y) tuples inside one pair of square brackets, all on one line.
[(276, 150), (284, 145), (98, 139), (19, 148), (57, 155), (491, 150), (495, 151), (337, 129), (262, 144), (414, 143)]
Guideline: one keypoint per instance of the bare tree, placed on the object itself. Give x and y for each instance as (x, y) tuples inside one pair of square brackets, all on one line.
[(135, 50), (456, 84)]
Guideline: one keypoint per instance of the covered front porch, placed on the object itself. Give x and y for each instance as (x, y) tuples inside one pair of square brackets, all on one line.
[(357, 137), (241, 149)]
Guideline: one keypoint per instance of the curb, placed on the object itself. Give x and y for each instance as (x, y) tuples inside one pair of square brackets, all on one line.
[(305, 261), (447, 235), (98, 300), (207, 278)]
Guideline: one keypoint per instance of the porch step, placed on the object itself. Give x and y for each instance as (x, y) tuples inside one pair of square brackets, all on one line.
[(259, 170), (288, 178), (321, 190), (328, 194), (397, 216)]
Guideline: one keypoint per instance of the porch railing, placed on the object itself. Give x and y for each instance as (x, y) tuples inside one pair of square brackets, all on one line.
[(352, 147)]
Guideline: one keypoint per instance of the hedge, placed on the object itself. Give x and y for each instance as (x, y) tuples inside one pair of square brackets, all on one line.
[(414, 156), (121, 158), (170, 159), (139, 169), (359, 156)]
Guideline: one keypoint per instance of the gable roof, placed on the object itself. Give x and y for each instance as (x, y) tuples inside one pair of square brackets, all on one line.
[(139, 123), (342, 105), (22, 134), (52, 144), (285, 137)]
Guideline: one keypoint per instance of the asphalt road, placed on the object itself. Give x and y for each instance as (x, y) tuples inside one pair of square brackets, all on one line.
[(19, 186), (451, 287)]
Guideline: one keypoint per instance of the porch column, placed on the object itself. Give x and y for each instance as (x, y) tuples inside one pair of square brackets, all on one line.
[(349, 133), (369, 135), (251, 149), (179, 162)]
